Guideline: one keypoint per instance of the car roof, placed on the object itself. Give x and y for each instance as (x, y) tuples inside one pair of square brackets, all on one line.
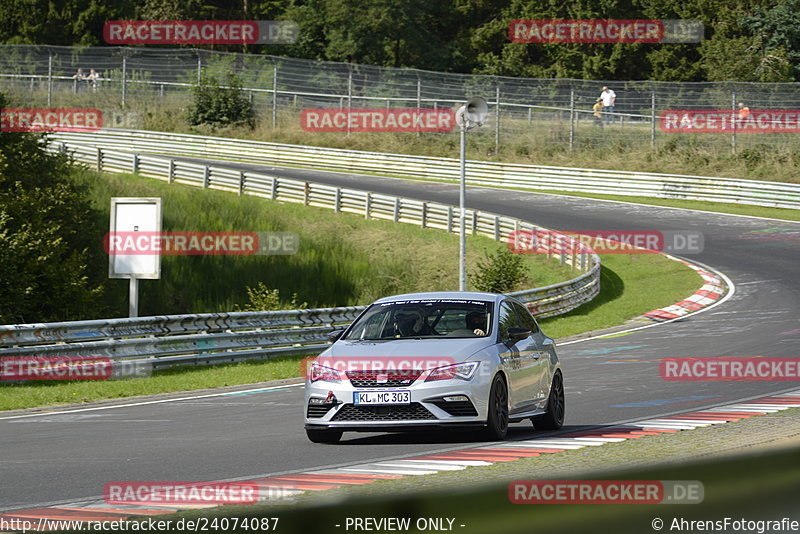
[(466, 295)]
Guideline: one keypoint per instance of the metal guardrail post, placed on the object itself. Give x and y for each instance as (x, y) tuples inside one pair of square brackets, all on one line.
[(171, 171), (273, 191), (99, 162), (50, 79), (653, 120), (274, 93), (124, 78), (734, 116), (199, 68), (349, 93), (337, 200), (450, 219), (419, 96), (424, 215), (241, 183), (367, 205), (206, 176), (306, 192), (135, 164), (396, 215), (497, 118), (571, 119)]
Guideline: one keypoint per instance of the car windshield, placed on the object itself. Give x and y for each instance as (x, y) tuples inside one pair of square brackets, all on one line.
[(434, 318)]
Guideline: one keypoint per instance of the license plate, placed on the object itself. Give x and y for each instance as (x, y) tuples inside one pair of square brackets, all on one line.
[(382, 397)]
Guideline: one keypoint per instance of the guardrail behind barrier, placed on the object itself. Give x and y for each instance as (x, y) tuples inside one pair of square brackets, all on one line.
[(482, 173), (226, 337)]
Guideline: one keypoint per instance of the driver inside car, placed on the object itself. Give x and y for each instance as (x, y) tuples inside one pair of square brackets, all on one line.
[(408, 323), (476, 323)]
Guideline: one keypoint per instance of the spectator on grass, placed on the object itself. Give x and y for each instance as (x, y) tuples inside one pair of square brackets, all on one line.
[(609, 98), (744, 112), (79, 78), (92, 79), (598, 112)]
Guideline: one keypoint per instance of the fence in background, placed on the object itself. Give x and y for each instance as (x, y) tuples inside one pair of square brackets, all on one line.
[(546, 110), (158, 342), (533, 177)]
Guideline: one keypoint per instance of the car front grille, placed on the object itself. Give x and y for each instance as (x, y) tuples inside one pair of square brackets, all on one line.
[(405, 412), (318, 410), (383, 379), (456, 409)]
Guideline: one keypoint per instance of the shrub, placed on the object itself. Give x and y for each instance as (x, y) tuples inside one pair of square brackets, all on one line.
[(262, 298), (221, 105), (499, 272)]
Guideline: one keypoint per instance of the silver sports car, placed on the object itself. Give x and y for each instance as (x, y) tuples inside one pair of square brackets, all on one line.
[(423, 360)]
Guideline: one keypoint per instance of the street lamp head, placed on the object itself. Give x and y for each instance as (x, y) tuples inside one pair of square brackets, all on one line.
[(474, 111)]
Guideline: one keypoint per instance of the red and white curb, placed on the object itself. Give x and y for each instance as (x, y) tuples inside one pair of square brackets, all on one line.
[(279, 487), (714, 287)]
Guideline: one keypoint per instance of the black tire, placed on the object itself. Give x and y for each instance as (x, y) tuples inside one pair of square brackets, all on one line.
[(323, 435), (497, 419), (553, 419)]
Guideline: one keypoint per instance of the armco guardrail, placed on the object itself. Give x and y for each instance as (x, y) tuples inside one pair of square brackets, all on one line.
[(179, 339), (225, 337), (670, 186)]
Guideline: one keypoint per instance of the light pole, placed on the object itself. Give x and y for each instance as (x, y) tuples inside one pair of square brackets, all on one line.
[(471, 114)]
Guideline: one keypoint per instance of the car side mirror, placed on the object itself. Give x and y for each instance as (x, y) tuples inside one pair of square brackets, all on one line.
[(515, 333), (335, 335)]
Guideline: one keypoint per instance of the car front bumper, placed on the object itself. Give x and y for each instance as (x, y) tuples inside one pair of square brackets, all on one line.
[(427, 407)]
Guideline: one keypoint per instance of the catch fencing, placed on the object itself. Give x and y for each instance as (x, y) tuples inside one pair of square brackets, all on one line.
[(543, 111)]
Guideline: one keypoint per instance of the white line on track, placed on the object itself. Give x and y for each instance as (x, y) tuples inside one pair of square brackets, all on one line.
[(159, 401)]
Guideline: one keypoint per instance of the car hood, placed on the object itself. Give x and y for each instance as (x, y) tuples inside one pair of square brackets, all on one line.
[(453, 349)]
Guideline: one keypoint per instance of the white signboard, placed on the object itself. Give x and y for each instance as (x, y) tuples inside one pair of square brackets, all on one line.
[(130, 216)]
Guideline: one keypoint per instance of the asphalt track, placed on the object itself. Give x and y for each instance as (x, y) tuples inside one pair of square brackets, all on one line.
[(58, 457)]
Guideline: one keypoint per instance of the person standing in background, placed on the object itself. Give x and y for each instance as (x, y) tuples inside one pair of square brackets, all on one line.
[(744, 113), (598, 112), (609, 99), (92, 79)]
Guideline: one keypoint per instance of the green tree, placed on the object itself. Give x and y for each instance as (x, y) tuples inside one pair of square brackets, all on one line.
[(778, 34), (60, 22), (45, 248)]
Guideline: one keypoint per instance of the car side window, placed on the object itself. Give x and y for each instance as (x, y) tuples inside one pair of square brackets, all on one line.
[(507, 318), (526, 319)]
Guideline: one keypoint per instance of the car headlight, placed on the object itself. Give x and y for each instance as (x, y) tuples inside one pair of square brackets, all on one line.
[(320, 372), (461, 371)]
